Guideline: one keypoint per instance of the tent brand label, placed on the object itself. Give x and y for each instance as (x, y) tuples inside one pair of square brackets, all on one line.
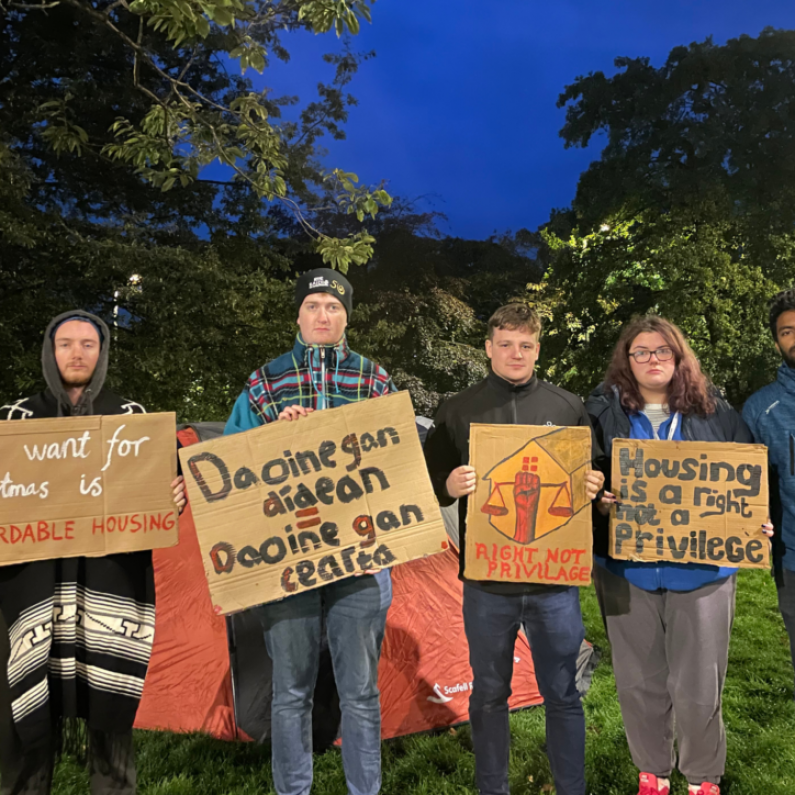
[(690, 502), (86, 486), (529, 519), (443, 694), (295, 505)]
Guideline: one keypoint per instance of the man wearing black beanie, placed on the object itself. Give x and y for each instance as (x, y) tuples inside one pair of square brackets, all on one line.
[(321, 372)]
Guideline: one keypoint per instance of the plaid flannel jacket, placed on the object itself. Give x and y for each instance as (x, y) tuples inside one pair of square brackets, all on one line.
[(312, 376)]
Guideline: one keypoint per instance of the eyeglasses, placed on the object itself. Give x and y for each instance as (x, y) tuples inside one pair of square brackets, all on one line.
[(662, 354)]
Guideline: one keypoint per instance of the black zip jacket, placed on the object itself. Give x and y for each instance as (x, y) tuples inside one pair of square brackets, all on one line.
[(497, 402), (610, 421)]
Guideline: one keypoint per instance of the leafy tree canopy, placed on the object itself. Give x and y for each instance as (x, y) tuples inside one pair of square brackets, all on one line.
[(688, 213)]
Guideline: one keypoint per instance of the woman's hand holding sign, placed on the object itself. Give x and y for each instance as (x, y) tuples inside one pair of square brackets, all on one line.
[(594, 481), (461, 481)]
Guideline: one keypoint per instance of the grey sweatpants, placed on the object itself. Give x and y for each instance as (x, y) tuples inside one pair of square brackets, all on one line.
[(670, 655), (29, 772)]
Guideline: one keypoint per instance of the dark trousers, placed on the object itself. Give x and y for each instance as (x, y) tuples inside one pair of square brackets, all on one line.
[(29, 772), (785, 582), (553, 624)]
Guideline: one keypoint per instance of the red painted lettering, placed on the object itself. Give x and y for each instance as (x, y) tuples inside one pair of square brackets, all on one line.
[(481, 552), (505, 552), (42, 532), (552, 555), (492, 568), (68, 530), (98, 525), (505, 569)]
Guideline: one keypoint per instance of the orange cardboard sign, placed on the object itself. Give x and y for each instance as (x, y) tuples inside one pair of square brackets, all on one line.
[(529, 519)]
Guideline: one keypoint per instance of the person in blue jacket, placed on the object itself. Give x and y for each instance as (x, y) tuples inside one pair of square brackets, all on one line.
[(770, 414), (668, 623)]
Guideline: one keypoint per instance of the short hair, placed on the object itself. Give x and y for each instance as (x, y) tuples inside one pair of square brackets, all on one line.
[(515, 316), (779, 304)]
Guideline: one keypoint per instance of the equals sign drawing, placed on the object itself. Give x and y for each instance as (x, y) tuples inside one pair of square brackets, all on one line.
[(309, 516)]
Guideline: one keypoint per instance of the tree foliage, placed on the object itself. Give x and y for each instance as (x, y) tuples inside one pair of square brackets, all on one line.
[(689, 212), (156, 85), (136, 167)]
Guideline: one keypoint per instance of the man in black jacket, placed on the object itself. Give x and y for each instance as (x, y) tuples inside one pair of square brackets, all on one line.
[(493, 612), (75, 633)]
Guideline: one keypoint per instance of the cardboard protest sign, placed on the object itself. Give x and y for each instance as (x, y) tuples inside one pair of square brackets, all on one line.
[(690, 502), (293, 506), (529, 519), (86, 486)]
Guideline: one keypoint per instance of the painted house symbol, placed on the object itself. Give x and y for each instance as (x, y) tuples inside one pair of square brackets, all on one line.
[(538, 488)]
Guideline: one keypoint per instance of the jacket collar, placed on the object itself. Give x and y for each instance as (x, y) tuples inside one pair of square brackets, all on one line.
[(786, 377), (339, 351), (507, 388)]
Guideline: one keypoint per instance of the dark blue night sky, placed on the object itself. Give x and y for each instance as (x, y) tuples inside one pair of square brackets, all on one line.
[(459, 103)]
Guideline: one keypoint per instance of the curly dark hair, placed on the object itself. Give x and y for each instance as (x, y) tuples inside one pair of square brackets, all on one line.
[(690, 391), (779, 304)]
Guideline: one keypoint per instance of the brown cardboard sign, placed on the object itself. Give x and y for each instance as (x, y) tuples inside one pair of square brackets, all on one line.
[(295, 505), (690, 502), (86, 486), (529, 519)]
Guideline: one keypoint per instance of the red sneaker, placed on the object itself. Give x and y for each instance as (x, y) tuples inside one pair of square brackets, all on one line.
[(650, 785), (708, 789)]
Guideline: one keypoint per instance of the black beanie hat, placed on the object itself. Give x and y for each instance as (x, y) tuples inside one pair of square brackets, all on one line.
[(325, 280)]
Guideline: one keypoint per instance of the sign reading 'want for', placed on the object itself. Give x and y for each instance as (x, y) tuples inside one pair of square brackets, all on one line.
[(89, 486)]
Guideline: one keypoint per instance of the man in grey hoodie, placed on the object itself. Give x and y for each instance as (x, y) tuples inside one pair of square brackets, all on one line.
[(67, 652)]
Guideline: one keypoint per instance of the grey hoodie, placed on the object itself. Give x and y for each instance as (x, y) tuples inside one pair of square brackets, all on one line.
[(85, 405)]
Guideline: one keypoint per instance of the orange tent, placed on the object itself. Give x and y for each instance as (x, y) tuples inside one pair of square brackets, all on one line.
[(424, 673)]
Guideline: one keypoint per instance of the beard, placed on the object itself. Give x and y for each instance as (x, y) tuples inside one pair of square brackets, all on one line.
[(76, 380), (789, 357)]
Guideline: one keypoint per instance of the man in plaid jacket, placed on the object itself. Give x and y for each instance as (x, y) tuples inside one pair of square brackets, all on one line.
[(321, 372)]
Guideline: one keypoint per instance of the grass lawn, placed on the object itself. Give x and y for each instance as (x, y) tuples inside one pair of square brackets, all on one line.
[(758, 710)]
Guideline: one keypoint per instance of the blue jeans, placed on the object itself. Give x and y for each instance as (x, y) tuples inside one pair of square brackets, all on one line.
[(355, 613), (553, 624)]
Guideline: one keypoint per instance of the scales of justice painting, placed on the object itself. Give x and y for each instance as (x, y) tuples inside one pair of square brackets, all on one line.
[(538, 486)]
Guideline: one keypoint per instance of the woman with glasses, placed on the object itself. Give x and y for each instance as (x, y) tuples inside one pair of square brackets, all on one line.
[(668, 623)]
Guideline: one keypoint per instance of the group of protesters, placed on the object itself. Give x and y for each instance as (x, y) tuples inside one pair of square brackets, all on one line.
[(76, 633)]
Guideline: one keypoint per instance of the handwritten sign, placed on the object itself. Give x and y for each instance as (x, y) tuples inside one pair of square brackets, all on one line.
[(690, 502), (86, 486), (295, 505), (529, 519)]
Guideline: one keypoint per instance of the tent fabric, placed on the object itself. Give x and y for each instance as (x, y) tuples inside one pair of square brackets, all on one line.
[(188, 686), (424, 673)]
